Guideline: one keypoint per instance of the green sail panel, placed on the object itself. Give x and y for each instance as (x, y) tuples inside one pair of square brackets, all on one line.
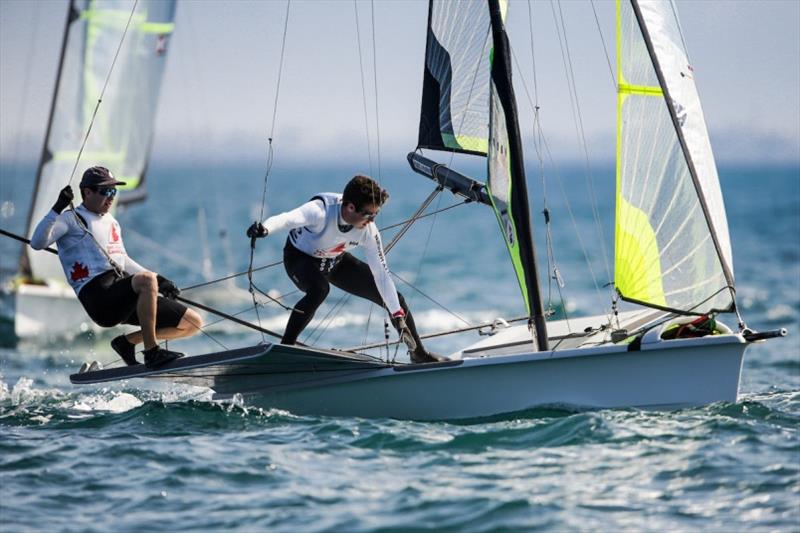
[(672, 249), (455, 93), (123, 128)]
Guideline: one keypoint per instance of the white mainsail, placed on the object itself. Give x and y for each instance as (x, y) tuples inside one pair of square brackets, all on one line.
[(123, 129), (672, 248)]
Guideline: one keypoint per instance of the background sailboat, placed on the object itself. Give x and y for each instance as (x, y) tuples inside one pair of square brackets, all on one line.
[(121, 138)]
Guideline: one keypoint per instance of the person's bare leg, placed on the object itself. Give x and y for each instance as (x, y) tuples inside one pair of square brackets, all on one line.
[(146, 288), (190, 324)]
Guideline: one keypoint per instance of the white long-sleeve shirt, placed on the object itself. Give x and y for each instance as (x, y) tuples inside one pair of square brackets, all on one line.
[(79, 255), (317, 229)]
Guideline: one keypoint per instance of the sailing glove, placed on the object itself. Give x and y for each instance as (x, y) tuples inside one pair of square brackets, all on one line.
[(64, 199), (167, 288), (257, 230)]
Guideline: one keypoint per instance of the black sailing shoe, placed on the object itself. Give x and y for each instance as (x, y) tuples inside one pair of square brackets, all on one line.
[(157, 357), (125, 349)]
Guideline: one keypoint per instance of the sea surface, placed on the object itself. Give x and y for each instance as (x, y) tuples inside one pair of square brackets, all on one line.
[(137, 457)]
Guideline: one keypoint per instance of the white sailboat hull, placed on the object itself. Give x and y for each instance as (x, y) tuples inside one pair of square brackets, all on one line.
[(48, 310), (680, 373), (498, 375)]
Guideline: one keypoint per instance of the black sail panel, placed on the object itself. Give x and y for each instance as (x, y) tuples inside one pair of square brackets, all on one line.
[(455, 110)]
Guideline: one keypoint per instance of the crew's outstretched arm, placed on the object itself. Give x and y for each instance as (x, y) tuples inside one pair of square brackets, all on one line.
[(376, 259)]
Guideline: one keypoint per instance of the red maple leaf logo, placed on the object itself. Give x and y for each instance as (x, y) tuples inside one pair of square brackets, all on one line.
[(79, 272), (114, 234)]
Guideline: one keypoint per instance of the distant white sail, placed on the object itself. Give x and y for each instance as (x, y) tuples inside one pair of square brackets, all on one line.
[(672, 248), (123, 129)]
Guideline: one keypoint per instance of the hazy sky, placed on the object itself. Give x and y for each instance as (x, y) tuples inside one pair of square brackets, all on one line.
[(221, 74)]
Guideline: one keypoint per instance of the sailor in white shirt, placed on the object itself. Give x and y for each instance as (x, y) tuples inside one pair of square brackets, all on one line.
[(316, 255), (113, 288)]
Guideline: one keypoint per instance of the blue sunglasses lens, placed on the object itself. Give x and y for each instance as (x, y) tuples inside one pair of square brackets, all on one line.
[(108, 192)]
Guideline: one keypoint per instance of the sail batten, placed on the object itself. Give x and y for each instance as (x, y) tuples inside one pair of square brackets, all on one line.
[(672, 249)]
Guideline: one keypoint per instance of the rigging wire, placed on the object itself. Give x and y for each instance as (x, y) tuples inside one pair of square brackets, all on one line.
[(100, 99), (270, 159), (431, 299), (538, 136), (680, 31), (78, 220), (327, 320), (366, 113), (578, 119), (363, 86), (277, 263), (270, 153), (551, 160), (375, 77), (439, 200), (605, 48)]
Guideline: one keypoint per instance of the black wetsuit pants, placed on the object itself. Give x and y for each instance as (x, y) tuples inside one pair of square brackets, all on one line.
[(314, 277)]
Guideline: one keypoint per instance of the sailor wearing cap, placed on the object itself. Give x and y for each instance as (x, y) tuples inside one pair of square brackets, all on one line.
[(113, 288)]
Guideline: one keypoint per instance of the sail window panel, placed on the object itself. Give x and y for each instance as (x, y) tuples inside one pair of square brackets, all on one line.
[(455, 113)]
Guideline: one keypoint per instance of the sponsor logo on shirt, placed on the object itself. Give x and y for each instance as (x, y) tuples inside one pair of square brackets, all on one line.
[(381, 257), (336, 250)]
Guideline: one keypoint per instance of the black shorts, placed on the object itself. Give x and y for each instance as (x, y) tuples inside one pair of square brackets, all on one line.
[(110, 300)]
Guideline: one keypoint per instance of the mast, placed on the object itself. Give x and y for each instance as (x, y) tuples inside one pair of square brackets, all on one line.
[(24, 261), (517, 227)]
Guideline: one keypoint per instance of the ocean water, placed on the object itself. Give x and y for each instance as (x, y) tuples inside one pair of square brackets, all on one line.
[(136, 456)]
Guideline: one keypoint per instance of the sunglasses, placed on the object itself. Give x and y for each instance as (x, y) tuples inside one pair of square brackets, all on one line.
[(366, 214), (108, 192)]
